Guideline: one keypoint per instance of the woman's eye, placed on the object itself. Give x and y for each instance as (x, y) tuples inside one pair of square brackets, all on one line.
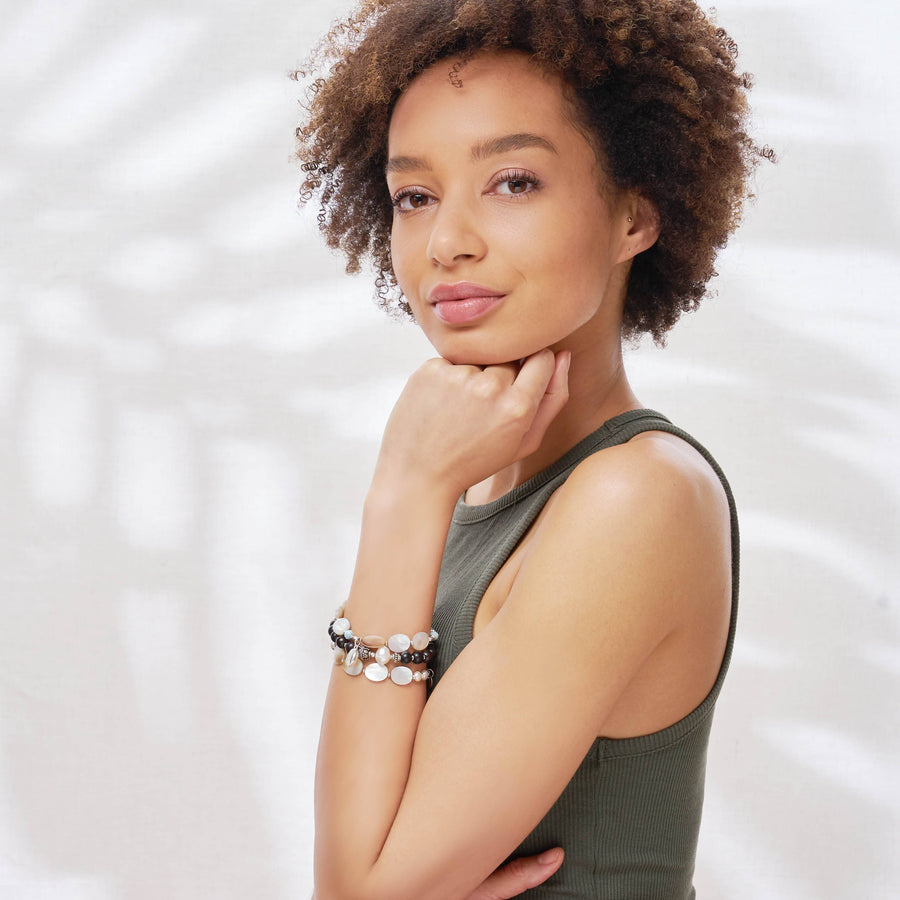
[(516, 185), (407, 202), (513, 183)]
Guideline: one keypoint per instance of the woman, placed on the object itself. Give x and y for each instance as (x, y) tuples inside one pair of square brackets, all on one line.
[(538, 181)]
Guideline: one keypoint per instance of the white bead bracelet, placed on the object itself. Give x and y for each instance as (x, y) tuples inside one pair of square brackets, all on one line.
[(351, 651)]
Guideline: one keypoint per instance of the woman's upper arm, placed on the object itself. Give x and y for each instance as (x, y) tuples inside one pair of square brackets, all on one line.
[(513, 717)]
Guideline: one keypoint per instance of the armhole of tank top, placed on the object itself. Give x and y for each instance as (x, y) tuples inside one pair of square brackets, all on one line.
[(607, 748)]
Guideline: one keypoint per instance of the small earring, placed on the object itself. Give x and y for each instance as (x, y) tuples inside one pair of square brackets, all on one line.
[(630, 219)]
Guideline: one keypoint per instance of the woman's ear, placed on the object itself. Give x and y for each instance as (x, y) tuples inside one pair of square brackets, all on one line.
[(640, 227)]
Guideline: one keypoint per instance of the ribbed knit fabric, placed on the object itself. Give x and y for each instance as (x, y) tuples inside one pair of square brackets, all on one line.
[(630, 816)]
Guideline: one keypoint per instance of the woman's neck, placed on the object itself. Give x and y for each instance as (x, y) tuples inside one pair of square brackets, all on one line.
[(598, 391)]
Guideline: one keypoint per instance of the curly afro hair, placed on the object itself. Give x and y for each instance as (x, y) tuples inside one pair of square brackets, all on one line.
[(653, 83)]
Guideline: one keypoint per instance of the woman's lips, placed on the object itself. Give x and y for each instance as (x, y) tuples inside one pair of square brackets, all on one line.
[(455, 312), (458, 304)]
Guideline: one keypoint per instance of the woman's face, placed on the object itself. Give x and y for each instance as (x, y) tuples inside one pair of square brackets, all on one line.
[(505, 237)]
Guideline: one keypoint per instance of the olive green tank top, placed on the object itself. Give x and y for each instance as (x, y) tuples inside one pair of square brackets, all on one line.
[(629, 818)]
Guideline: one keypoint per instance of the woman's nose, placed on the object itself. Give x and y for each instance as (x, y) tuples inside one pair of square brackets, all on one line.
[(455, 235)]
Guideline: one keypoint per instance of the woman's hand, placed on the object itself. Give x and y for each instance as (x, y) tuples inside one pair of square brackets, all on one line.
[(518, 876), (455, 425)]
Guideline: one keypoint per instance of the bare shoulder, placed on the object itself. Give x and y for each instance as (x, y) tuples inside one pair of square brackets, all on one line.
[(649, 517), (649, 520), (655, 483)]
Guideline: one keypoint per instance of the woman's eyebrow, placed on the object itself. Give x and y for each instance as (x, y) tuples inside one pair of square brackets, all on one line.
[(406, 164), (482, 150), (506, 142)]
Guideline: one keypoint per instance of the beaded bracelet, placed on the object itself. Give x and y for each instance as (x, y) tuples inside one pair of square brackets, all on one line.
[(351, 651)]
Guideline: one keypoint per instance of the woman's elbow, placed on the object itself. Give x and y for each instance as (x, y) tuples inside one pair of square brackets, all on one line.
[(339, 889), (340, 885)]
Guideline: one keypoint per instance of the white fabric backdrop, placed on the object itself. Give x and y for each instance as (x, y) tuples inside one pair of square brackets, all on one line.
[(192, 394)]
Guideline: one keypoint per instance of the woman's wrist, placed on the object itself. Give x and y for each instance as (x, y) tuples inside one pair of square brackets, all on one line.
[(410, 494), (404, 529)]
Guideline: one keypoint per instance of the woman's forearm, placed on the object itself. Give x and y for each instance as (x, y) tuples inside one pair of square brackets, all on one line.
[(452, 426), (369, 728)]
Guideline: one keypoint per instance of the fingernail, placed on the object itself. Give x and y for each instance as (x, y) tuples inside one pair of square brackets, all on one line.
[(548, 857)]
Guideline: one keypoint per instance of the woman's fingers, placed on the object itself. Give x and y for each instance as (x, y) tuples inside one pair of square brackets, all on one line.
[(455, 425), (536, 391), (535, 373), (505, 373), (518, 876), (555, 396)]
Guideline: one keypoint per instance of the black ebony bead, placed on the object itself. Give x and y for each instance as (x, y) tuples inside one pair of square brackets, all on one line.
[(417, 657), (406, 656), (427, 655)]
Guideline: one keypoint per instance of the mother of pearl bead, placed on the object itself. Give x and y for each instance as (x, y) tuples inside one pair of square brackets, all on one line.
[(398, 643), (401, 675), (420, 640), (376, 672)]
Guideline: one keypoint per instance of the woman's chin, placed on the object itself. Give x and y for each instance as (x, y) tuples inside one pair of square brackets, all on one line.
[(481, 359), (460, 355)]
